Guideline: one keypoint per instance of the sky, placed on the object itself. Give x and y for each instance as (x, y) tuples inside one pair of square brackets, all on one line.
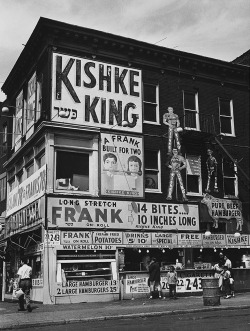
[(213, 28)]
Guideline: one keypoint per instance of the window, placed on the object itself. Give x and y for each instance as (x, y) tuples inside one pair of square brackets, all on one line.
[(5, 133), (230, 180), (40, 154), (30, 170), (150, 103), (226, 117), (39, 99), (3, 187), (19, 177), (191, 110), (11, 184), (29, 163), (4, 147), (193, 175), (40, 161), (152, 170), (72, 171), (11, 179)]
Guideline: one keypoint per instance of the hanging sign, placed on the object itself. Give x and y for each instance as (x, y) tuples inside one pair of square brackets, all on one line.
[(189, 239), (107, 238), (214, 240), (76, 237), (111, 214), (28, 191), (87, 92), (33, 214), (136, 238), (242, 240), (164, 239), (122, 165)]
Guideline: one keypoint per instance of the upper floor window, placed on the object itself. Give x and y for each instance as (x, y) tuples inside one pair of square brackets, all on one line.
[(151, 103), (193, 173), (4, 139), (12, 184), (40, 154), (5, 133), (226, 117), (191, 110), (39, 98), (152, 170), (30, 170), (72, 171), (230, 179), (40, 161), (2, 187)]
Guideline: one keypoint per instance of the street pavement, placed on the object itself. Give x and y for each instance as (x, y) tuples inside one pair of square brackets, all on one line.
[(44, 315)]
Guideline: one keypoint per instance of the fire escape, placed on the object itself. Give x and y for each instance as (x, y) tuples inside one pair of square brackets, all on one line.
[(202, 126)]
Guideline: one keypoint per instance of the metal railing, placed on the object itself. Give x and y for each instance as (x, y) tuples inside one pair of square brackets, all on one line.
[(198, 122)]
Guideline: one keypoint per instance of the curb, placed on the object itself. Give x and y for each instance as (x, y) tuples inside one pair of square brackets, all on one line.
[(115, 317)]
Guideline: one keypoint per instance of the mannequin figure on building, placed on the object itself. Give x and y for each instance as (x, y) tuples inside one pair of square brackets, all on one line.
[(211, 171), (172, 120), (176, 164)]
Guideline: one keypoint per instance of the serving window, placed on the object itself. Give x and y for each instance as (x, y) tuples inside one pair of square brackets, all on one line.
[(78, 270)]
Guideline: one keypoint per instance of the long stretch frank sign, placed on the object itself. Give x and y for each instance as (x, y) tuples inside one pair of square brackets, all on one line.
[(83, 213), (88, 92)]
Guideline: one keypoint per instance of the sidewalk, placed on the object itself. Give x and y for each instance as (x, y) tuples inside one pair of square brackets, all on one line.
[(43, 315)]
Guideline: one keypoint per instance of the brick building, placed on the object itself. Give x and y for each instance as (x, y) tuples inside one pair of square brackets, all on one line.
[(93, 186)]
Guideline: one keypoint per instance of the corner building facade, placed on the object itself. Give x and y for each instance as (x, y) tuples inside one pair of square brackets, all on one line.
[(89, 169)]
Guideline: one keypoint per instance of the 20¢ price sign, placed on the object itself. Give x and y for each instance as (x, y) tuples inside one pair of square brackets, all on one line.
[(52, 238), (190, 284)]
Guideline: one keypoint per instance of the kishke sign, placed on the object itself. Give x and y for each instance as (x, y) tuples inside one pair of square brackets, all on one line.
[(98, 94)]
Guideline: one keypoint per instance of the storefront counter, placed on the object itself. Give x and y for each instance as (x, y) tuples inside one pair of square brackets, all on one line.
[(134, 284), (241, 279)]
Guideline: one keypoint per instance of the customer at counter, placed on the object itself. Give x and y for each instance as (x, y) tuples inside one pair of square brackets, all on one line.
[(221, 258), (154, 277), (227, 262), (218, 270)]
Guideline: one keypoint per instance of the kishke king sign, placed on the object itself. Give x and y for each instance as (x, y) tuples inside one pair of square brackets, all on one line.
[(92, 93)]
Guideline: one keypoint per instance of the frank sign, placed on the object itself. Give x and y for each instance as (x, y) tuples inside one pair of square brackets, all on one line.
[(122, 165), (92, 93), (87, 214)]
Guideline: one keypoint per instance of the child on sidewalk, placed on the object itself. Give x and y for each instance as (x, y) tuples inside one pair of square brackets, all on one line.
[(172, 280)]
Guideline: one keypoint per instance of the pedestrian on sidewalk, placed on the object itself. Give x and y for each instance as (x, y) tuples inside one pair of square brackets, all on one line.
[(226, 282), (154, 277), (25, 284), (172, 280)]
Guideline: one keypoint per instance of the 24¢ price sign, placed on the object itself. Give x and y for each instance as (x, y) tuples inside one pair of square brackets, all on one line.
[(191, 284), (52, 238)]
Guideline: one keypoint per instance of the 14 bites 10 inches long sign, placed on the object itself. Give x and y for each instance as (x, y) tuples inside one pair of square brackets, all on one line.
[(92, 93), (81, 213)]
